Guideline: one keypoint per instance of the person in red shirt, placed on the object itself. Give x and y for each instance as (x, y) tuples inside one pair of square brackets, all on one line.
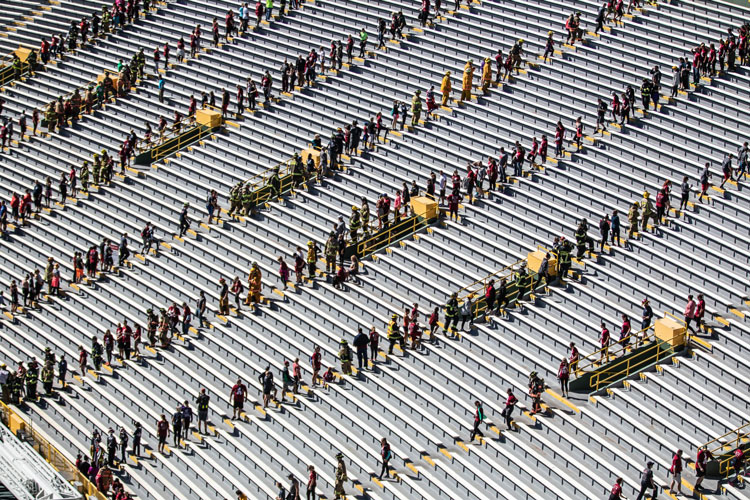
[(510, 404), (676, 471), (690, 308), (82, 359), (616, 493), (312, 482), (701, 461), (532, 154), (453, 206), (563, 375), (625, 331), (604, 340), (315, 362), (700, 311), (238, 396), (162, 430), (543, 150), (375, 340), (559, 138), (574, 357)]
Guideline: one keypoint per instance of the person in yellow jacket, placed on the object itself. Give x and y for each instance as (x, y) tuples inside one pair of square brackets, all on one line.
[(254, 280), (445, 87), (486, 75), (468, 80), (312, 258)]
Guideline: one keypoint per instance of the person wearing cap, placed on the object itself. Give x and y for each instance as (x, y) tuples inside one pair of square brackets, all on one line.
[(564, 259), (4, 384), (254, 285), (394, 334), (516, 56), (354, 225), (31, 378), (549, 48), (467, 311), (312, 258), (48, 377), (451, 315), (341, 477), (486, 74), (416, 108), (345, 356), (445, 88), (240, 495), (468, 81), (293, 493)]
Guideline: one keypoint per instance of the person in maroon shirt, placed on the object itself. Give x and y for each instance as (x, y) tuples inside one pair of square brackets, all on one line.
[(315, 362), (604, 340), (700, 311), (574, 357), (676, 471), (238, 396), (616, 493), (312, 482), (162, 430), (510, 404), (453, 206)]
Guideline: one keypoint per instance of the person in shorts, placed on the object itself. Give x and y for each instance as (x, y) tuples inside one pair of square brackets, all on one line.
[(238, 397)]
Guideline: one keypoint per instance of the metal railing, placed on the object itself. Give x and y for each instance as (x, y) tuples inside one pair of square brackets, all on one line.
[(7, 72), (51, 454), (594, 357), (397, 231), (740, 435), (480, 285), (165, 144), (257, 183), (515, 289), (631, 364)]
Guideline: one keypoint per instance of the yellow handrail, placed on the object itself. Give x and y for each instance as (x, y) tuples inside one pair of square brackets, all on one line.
[(258, 181), (393, 233), (597, 379), (598, 352), (469, 289), (50, 453), (739, 435)]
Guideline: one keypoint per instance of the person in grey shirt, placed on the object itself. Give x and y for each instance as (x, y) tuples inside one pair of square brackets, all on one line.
[(647, 482)]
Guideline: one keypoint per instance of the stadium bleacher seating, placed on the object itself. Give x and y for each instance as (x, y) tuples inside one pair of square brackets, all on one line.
[(423, 402)]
